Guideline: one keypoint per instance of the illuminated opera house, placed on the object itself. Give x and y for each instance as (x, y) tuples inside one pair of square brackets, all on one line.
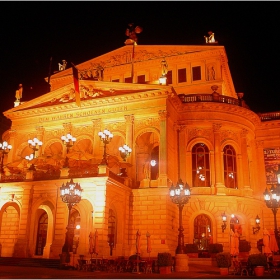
[(144, 129)]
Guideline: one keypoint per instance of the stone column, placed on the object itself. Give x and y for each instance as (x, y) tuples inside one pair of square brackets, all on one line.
[(96, 123), (129, 139), (245, 159), (162, 180), (64, 171), (219, 184)]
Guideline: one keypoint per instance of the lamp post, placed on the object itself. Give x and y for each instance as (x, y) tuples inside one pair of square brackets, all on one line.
[(106, 137), (35, 145), (68, 140), (70, 194), (180, 195), (4, 149), (272, 201)]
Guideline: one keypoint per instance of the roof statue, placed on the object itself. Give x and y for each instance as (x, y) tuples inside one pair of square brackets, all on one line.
[(62, 66), (19, 93), (210, 39), (131, 32)]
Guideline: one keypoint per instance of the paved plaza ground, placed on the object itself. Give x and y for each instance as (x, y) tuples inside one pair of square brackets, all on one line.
[(195, 272)]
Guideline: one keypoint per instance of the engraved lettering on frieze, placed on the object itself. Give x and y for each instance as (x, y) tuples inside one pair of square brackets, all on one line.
[(84, 113)]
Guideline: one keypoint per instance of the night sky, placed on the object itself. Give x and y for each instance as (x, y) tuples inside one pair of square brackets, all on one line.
[(32, 32)]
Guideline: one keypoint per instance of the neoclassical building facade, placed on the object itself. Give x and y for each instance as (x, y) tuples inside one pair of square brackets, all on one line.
[(175, 107)]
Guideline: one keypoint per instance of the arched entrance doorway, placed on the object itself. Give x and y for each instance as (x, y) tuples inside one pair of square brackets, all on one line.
[(41, 234), (202, 231)]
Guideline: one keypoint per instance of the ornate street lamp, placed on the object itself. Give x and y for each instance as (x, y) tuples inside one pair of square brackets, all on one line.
[(224, 224), (71, 194), (4, 149), (35, 145), (257, 228), (272, 201), (125, 151), (180, 195), (68, 140), (106, 137)]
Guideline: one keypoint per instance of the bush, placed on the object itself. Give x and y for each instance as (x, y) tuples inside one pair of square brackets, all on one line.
[(244, 246), (257, 260), (223, 259), (191, 248), (164, 259), (215, 248)]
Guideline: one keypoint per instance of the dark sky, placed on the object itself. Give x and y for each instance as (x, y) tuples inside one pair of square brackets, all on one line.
[(32, 32)]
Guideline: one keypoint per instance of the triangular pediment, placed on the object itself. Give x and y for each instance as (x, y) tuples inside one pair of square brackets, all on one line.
[(89, 91)]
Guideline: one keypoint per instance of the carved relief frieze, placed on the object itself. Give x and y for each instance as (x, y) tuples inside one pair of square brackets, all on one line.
[(199, 132), (116, 126), (54, 133), (163, 115), (216, 127), (229, 134), (147, 122)]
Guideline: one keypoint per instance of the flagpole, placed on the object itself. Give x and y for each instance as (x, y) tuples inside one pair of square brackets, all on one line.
[(132, 61)]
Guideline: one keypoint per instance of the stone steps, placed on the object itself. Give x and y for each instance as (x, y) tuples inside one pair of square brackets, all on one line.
[(30, 262)]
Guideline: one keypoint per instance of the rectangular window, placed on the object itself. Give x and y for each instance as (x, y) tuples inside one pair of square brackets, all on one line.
[(196, 73), (141, 79), (116, 80), (128, 80), (169, 77), (182, 75)]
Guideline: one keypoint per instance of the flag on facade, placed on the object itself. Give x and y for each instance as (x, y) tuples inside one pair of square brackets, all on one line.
[(76, 84)]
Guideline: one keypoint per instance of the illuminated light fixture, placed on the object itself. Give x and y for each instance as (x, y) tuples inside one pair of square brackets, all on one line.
[(153, 162), (125, 151), (162, 80), (224, 219), (68, 141), (35, 145), (106, 137), (257, 228), (4, 149)]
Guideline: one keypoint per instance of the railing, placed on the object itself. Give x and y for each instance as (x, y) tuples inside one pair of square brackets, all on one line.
[(189, 98), (269, 116)]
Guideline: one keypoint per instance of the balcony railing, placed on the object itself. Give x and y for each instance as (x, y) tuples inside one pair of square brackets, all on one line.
[(189, 98)]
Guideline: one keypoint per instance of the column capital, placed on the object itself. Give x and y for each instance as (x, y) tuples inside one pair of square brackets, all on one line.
[(129, 118), (163, 115), (216, 127)]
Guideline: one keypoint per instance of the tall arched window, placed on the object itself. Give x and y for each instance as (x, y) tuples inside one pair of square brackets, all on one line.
[(200, 165), (230, 170), (42, 234)]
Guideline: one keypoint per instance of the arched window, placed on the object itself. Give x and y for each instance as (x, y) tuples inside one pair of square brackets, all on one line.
[(42, 234), (202, 231), (200, 165), (230, 173), (111, 230)]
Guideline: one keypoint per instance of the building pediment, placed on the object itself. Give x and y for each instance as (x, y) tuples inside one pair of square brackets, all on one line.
[(91, 93)]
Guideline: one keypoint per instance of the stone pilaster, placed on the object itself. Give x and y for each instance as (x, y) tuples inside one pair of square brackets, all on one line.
[(162, 180)]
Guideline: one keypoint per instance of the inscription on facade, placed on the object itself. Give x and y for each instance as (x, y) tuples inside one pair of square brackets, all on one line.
[(84, 114)]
